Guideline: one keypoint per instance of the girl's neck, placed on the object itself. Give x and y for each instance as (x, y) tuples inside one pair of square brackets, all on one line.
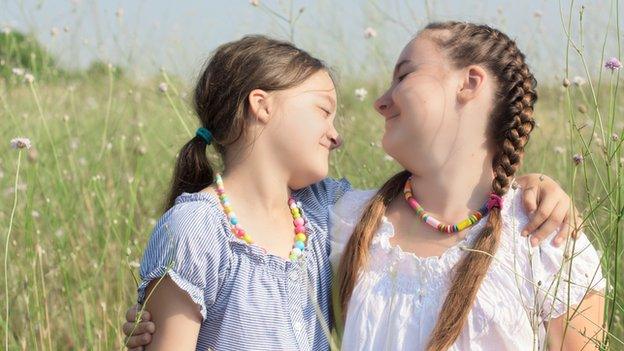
[(455, 190), (257, 182)]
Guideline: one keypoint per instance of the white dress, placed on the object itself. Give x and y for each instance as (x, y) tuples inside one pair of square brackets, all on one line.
[(398, 296)]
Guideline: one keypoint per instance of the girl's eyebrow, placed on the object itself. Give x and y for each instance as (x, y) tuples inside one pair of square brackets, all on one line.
[(398, 66), (328, 98)]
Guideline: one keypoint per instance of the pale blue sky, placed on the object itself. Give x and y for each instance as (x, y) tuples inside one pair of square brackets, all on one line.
[(178, 35)]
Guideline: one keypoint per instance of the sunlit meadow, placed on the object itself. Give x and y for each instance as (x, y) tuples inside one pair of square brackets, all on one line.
[(87, 154)]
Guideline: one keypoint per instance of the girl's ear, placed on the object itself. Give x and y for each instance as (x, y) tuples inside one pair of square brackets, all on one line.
[(471, 84), (260, 105)]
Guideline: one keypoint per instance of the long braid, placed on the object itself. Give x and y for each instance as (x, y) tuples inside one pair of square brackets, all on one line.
[(510, 126)]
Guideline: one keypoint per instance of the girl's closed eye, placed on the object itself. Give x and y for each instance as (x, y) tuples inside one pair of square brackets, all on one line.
[(401, 77), (409, 70), (326, 111)]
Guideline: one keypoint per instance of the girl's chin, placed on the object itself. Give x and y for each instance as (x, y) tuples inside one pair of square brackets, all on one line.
[(393, 147)]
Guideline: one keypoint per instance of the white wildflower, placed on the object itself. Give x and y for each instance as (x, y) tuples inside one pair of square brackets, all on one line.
[(578, 81), (20, 143), (370, 32), (361, 93), (74, 143), (29, 78)]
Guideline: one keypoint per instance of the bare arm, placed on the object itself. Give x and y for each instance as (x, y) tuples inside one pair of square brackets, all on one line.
[(176, 315), (583, 331)]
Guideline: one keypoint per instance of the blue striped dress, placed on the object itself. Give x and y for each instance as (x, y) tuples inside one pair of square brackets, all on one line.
[(249, 300)]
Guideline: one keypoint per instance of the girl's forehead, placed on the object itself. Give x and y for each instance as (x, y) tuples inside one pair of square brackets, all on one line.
[(315, 90), (419, 49), (319, 83)]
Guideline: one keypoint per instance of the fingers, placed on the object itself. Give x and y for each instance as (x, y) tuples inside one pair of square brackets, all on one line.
[(129, 328), (141, 332), (565, 231), (131, 314), (138, 341), (541, 214), (529, 199), (569, 228), (553, 222)]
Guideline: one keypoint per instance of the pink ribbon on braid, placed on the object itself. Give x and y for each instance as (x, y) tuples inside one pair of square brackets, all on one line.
[(494, 201)]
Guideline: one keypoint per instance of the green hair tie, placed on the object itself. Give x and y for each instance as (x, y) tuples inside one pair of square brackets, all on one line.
[(204, 134)]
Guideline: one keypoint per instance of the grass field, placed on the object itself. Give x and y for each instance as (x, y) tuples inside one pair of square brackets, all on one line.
[(77, 208)]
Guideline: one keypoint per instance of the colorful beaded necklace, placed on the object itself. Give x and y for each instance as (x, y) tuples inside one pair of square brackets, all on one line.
[(493, 201), (239, 232)]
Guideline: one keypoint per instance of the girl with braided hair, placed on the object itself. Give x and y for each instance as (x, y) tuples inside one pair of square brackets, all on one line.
[(418, 267)]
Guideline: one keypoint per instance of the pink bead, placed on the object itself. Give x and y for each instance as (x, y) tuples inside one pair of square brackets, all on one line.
[(412, 202), (433, 222), (238, 227), (300, 229), (220, 191), (291, 201), (240, 233), (298, 222)]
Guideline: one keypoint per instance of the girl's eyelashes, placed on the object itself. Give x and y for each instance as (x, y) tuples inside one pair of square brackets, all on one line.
[(400, 78), (327, 111), (409, 71)]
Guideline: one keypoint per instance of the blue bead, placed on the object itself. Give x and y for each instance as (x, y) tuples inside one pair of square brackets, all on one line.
[(300, 245), (234, 220)]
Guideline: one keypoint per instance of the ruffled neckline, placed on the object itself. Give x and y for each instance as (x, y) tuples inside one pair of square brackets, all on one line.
[(393, 258), (389, 258)]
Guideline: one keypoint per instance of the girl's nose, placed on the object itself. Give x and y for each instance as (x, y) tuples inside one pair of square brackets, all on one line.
[(336, 141), (383, 104)]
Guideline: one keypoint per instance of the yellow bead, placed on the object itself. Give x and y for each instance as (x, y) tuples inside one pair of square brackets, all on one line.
[(247, 239), (300, 237), (227, 209), (294, 211), (464, 224), (297, 215)]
